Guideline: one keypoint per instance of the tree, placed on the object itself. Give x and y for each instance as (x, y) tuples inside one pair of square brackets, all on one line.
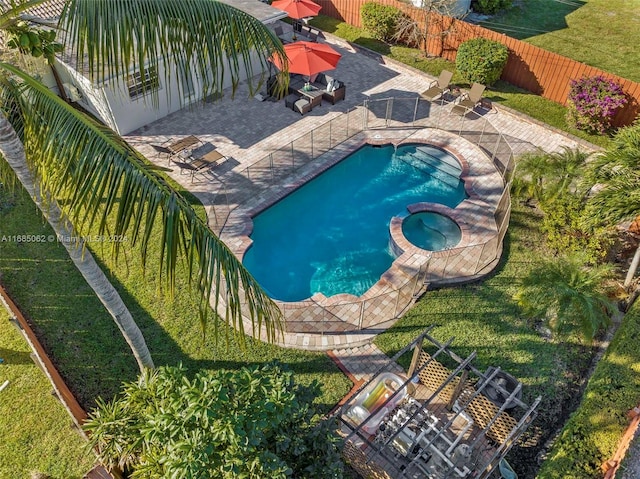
[(59, 153), (435, 21), (253, 423), (550, 175), (616, 174), (567, 295)]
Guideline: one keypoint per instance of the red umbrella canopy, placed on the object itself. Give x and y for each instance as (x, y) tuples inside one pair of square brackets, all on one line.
[(308, 58), (297, 8)]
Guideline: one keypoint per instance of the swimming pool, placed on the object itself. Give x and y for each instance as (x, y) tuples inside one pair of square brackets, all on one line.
[(332, 234)]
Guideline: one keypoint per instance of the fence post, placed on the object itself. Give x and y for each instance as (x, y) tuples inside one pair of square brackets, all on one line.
[(415, 111), (361, 319), (271, 165), (461, 124), (484, 125), (389, 111), (348, 111), (493, 155), (365, 117), (395, 309), (330, 146)]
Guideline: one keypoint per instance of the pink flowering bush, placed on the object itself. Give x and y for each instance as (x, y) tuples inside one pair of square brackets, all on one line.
[(593, 102)]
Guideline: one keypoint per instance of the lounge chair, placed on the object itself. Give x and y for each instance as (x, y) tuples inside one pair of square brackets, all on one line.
[(438, 87), (201, 160), (162, 152), (469, 100)]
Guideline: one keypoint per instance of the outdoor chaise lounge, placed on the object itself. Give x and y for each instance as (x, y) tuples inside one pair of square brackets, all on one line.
[(438, 87), (201, 160), (468, 101)]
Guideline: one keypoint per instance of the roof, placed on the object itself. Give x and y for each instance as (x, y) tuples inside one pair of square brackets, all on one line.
[(51, 9), (48, 11)]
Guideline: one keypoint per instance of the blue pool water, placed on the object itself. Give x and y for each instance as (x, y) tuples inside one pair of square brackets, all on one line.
[(431, 231), (332, 234)]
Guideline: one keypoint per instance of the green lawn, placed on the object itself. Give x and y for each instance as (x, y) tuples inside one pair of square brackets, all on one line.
[(84, 342), (501, 93), (36, 433), (483, 318), (601, 33)]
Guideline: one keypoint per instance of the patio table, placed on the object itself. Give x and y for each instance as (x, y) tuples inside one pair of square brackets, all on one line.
[(314, 96)]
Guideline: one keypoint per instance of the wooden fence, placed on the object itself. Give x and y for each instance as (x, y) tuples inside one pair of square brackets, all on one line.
[(529, 67)]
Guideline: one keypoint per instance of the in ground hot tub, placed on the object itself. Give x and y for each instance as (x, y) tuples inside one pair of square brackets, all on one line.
[(431, 231)]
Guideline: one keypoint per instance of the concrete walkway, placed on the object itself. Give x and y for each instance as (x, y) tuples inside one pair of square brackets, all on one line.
[(246, 130)]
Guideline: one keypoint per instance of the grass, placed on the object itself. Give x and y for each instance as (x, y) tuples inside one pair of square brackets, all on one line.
[(591, 435), (36, 432), (482, 317), (501, 93), (600, 33), (84, 342)]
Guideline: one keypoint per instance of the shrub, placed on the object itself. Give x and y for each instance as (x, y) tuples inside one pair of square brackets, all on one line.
[(254, 422), (380, 20), (490, 6), (564, 224), (481, 60), (592, 103)]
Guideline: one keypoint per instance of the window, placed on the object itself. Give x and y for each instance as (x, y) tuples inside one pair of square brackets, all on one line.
[(139, 85)]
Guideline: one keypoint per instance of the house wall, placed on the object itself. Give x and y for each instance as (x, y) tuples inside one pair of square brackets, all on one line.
[(91, 97), (111, 102)]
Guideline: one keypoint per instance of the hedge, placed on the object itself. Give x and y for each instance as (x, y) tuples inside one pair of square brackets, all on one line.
[(591, 434)]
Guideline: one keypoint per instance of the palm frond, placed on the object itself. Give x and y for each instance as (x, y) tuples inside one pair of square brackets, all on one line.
[(568, 295), (102, 176), (213, 41)]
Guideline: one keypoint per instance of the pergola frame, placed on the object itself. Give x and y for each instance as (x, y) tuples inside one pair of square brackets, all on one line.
[(490, 433)]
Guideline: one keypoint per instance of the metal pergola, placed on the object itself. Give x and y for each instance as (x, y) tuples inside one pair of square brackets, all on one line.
[(433, 421)]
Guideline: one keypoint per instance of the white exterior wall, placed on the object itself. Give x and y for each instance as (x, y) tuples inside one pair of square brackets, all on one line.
[(129, 115)]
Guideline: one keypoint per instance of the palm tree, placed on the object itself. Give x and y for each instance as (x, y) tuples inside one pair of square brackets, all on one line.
[(616, 174), (567, 295), (57, 152), (547, 176)]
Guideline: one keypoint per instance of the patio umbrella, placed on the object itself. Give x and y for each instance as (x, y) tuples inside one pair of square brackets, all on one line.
[(297, 8), (308, 58)]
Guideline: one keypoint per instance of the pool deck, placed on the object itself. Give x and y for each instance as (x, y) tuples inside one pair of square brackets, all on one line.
[(246, 130)]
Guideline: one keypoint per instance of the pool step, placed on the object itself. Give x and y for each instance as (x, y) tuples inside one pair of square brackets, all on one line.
[(432, 166), (447, 162)]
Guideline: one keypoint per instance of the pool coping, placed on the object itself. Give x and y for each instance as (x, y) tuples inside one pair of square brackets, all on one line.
[(474, 215)]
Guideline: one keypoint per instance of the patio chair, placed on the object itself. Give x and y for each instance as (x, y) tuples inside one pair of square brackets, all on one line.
[(438, 87), (290, 100), (204, 159), (469, 100), (302, 106), (162, 152)]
